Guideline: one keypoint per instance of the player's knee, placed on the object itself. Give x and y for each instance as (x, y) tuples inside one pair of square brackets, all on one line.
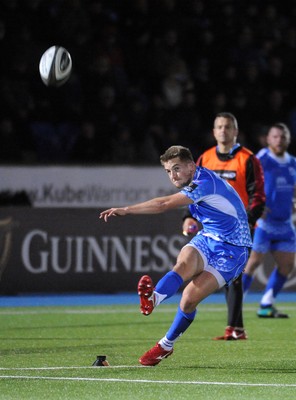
[(285, 270), (187, 305), (252, 264), (188, 302), (182, 269), (250, 269)]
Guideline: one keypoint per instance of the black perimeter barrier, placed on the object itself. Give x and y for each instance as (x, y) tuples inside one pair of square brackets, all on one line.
[(58, 250)]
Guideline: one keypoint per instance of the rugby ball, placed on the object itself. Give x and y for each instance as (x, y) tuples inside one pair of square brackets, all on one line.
[(55, 66)]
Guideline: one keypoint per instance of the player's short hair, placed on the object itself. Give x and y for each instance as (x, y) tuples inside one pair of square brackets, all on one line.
[(227, 115), (283, 127), (183, 153)]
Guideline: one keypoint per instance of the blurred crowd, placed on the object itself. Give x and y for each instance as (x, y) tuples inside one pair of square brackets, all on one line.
[(146, 74)]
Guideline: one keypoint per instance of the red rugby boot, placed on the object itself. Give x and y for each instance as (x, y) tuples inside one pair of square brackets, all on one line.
[(146, 293), (155, 355)]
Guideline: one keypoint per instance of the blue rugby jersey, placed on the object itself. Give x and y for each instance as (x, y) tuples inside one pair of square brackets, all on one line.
[(218, 207), (279, 182)]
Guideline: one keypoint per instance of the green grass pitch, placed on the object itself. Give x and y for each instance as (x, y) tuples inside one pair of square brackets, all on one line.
[(47, 353)]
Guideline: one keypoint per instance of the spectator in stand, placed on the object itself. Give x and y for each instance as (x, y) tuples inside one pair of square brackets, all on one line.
[(135, 44)]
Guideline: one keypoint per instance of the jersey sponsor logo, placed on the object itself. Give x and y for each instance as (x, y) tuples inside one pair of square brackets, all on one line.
[(282, 184), (281, 181), (191, 187), (229, 175)]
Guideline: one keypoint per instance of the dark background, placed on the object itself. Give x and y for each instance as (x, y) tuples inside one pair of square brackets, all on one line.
[(146, 74)]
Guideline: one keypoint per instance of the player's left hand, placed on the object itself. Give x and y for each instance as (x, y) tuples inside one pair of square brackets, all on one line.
[(112, 212)]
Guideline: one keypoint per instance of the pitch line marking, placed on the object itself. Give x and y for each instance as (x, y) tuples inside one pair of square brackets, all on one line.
[(61, 368), (149, 381), (70, 310)]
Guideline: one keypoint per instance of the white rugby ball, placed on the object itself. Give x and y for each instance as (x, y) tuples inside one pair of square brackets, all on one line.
[(55, 66)]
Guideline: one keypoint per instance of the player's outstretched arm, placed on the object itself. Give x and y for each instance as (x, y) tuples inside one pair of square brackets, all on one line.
[(113, 212), (153, 206)]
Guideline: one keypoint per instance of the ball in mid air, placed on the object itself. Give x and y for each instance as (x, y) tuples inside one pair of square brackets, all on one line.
[(55, 66)]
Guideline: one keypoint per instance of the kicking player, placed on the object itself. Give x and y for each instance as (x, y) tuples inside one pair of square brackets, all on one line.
[(243, 171), (212, 259), (275, 231)]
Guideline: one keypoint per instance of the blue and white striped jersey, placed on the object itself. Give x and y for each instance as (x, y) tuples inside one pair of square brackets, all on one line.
[(218, 207)]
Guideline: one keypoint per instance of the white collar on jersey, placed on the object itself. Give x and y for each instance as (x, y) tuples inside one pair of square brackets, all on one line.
[(280, 159)]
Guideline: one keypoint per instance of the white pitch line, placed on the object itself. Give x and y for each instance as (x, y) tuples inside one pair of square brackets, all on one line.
[(141, 381), (69, 310), (106, 310), (111, 311), (59, 368)]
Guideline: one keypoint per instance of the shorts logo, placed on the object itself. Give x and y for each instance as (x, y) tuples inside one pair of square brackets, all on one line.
[(221, 261)]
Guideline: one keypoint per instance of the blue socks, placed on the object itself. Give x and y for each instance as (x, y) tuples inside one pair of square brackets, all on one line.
[(276, 281), (181, 322), (166, 288), (247, 281), (274, 285), (168, 285)]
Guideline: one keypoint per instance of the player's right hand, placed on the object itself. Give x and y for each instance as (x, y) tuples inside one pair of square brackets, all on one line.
[(112, 212)]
